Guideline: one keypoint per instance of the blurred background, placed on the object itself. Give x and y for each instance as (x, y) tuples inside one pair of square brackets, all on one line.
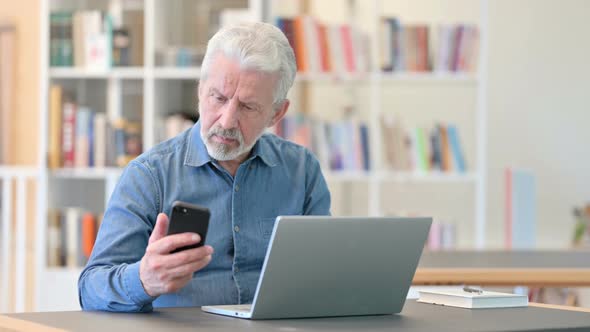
[(473, 112)]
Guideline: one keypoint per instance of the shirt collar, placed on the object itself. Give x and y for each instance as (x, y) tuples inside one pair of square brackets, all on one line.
[(197, 155)]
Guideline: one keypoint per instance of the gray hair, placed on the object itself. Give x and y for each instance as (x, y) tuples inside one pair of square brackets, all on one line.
[(258, 46)]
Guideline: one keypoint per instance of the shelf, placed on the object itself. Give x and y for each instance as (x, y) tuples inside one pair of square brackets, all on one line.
[(190, 73), (393, 176), (61, 271), (347, 176), (80, 73), (86, 173), (442, 77), (332, 77), (427, 177), (18, 171), (184, 73)]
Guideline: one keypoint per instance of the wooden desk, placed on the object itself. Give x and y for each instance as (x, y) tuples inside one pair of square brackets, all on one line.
[(415, 317), (505, 268)]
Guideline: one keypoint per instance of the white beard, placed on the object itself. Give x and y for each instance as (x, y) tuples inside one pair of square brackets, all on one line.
[(224, 152)]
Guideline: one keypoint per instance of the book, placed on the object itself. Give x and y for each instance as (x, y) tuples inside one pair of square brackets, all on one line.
[(456, 149), (134, 24), (472, 300), (60, 39), (520, 209), (71, 234), (68, 133), (88, 234), (54, 242), (121, 42), (54, 153)]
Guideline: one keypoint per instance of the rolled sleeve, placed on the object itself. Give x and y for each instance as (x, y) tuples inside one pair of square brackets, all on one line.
[(134, 286), (110, 281)]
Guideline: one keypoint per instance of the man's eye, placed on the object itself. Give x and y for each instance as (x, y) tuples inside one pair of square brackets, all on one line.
[(248, 108), (219, 98)]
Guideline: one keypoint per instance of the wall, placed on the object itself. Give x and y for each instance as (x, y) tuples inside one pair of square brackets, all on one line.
[(539, 106)]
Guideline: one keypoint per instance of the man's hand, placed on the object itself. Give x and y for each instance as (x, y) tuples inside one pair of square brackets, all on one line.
[(160, 271)]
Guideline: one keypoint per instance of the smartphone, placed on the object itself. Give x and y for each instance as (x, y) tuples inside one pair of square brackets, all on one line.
[(186, 217)]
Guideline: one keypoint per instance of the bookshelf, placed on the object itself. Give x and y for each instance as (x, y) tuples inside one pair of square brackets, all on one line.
[(145, 89), (325, 94), (150, 88)]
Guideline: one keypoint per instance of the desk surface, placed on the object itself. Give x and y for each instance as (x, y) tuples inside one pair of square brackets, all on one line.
[(499, 268), (415, 317), (534, 259)]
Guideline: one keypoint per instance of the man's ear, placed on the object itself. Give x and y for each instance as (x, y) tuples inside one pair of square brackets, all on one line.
[(279, 113)]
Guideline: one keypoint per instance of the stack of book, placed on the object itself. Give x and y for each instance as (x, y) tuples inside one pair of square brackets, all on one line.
[(442, 236), (89, 39), (339, 145), (436, 149), (413, 47), (71, 234), (321, 48), (80, 137)]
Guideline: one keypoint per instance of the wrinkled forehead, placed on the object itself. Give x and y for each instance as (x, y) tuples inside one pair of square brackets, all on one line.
[(228, 76)]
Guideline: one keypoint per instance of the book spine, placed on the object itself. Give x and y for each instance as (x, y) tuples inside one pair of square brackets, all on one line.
[(457, 151), (348, 47), (72, 223), (99, 140), (81, 137), (88, 234), (508, 208), (54, 159), (69, 134), (54, 242), (301, 52), (365, 147)]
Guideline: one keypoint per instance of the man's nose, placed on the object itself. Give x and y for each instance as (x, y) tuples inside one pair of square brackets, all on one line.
[(229, 115)]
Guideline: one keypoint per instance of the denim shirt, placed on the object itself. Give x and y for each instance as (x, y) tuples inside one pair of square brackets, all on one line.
[(279, 178)]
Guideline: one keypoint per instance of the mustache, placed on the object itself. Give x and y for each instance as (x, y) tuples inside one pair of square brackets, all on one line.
[(227, 133)]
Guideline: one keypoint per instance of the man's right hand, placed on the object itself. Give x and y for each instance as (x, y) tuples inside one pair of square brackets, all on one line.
[(160, 271)]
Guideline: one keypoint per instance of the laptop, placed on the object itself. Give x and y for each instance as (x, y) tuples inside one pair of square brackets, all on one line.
[(331, 266)]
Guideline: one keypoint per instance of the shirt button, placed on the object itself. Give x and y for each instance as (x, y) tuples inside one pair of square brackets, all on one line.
[(236, 269), (237, 187), (236, 228)]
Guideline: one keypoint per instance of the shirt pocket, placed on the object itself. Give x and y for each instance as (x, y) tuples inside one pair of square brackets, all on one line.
[(266, 226)]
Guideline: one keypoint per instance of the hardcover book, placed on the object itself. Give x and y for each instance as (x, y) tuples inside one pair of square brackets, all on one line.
[(462, 299)]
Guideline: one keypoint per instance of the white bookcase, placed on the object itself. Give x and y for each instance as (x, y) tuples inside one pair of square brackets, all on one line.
[(154, 90), (420, 98), (150, 89)]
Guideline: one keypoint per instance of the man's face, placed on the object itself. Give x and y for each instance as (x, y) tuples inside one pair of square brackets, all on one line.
[(236, 106)]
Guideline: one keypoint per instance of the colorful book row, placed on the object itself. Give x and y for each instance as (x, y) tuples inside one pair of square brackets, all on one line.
[(80, 137), (71, 234)]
